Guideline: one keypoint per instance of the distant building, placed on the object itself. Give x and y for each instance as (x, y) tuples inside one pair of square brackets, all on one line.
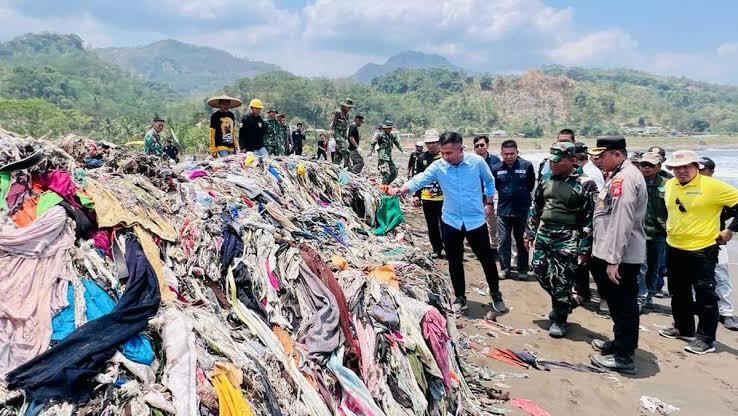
[(499, 133)]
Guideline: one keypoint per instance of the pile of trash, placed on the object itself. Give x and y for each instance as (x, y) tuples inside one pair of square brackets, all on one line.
[(234, 286)]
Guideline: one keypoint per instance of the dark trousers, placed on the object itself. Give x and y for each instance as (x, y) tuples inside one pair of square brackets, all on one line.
[(508, 227), (622, 299), (648, 278), (432, 212), (478, 238), (581, 281), (322, 153), (688, 271), (298, 149)]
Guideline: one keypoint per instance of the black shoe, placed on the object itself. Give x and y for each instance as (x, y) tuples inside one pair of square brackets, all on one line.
[(498, 304), (699, 347), (729, 322), (605, 347), (459, 305), (624, 365), (673, 333), (557, 330)]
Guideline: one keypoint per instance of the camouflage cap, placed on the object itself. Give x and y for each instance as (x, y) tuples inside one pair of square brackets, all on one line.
[(561, 150), (387, 125), (348, 103), (272, 109)]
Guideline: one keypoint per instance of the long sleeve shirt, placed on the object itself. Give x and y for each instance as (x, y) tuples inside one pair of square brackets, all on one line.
[(514, 186), (462, 185), (620, 212)]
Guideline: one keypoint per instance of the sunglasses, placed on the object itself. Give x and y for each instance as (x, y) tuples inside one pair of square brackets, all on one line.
[(682, 208), (477, 146)]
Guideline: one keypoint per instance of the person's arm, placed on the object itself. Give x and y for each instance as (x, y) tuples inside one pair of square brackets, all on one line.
[(589, 191), (488, 181), (352, 132), (421, 180), (397, 143), (534, 214), (728, 198), (530, 173), (213, 126)]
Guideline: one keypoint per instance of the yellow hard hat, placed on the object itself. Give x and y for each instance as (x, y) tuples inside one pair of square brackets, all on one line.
[(256, 103)]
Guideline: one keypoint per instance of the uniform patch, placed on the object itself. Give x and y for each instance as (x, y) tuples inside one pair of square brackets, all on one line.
[(616, 187)]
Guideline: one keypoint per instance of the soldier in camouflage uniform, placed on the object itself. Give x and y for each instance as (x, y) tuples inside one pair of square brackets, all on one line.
[(273, 137), (340, 125), (284, 134), (560, 224), (383, 144)]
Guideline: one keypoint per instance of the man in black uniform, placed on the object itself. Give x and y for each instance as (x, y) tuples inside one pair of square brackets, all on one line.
[(411, 162), (298, 138), (171, 151), (253, 129), (357, 160), (431, 197)]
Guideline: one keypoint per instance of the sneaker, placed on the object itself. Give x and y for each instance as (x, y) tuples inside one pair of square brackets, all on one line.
[(699, 347), (605, 347), (459, 305), (557, 330), (506, 274), (661, 294), (729, 322), (673, 333), (604, 310), (624, 365), (522, 276), (434, 256), (498, 304)]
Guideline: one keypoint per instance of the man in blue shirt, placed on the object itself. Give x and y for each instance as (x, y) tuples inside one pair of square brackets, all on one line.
[(462, 177), (515, 179)]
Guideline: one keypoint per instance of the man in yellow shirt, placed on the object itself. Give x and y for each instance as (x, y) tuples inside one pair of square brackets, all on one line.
[(694, 203)]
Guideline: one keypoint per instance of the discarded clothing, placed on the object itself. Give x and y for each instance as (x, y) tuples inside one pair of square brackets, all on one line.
[(434, 330), (46, 201), (230, 398), (389, 215), (654, 405), (98, 303), (322, 335), (34, 272), (179, 347), (65, 371), (529, 406), (60, 182), (353, 387)]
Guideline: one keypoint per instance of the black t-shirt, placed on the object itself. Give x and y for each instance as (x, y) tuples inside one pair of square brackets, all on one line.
[(251, 135), (171, 151), (223, 124), (298, 138), (353, 131)]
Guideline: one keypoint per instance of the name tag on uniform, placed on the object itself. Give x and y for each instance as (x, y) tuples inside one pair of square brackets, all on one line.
[(502, 172), (520, 171)]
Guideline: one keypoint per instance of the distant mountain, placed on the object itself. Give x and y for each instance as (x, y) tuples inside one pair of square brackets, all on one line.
[(60, 70), (184, 67), (403, 60)]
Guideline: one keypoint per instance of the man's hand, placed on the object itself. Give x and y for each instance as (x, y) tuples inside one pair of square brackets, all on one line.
[(527, 242), (724, 237), (488, 209), (583, 259), (416, 201), (613, 274)]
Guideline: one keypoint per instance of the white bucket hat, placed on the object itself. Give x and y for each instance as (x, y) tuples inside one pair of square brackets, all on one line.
[(682, 158)]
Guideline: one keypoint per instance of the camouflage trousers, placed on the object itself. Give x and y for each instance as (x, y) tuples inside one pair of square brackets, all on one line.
[(555, 256), (388, 170), (342, 154), (275, 149)]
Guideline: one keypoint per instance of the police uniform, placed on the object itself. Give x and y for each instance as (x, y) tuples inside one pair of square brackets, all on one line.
[(619, 239), (431, 198), (340, 125), (560, 223)]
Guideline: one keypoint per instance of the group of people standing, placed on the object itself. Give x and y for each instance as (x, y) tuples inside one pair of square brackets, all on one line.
[(589, 211), (262, 137)]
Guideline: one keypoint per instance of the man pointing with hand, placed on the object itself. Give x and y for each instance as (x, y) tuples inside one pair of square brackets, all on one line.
[(618, 251)]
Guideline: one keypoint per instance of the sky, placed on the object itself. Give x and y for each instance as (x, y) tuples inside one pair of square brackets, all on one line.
[(334, 38)]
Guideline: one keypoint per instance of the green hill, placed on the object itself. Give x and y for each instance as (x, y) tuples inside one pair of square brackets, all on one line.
[(73, 81), (184, 67), (52, 84)]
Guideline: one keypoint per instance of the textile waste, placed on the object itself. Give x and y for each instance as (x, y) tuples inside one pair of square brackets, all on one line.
[(132, 286)]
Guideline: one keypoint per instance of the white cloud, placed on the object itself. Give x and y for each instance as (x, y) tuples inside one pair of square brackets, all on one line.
[(91, 30), (598, 48), (728, 50)]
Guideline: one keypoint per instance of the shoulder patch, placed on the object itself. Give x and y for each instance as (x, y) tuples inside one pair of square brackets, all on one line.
[(616, 187)]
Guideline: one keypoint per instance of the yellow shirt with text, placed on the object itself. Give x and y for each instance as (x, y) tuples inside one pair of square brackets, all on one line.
[(697, 224)]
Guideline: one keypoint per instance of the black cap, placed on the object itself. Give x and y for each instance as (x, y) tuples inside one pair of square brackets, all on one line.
[(580, 148), (608, 143), (157, 118), (707, 163), (359, 117)]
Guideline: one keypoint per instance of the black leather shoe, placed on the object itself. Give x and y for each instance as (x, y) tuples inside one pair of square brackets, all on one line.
[(624, 365)]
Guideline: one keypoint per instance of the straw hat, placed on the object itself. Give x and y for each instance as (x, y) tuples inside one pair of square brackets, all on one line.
[(215, 101)]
